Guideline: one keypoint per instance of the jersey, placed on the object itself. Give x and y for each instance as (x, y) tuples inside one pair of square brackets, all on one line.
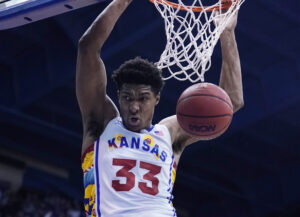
[(129, 174)]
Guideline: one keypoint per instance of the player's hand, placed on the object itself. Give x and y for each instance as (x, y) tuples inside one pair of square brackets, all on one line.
[(231, 23)]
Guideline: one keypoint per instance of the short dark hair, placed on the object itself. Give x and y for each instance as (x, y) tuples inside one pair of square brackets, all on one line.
[(139, 71)]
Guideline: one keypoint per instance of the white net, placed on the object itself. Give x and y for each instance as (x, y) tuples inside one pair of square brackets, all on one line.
[(192, 36)]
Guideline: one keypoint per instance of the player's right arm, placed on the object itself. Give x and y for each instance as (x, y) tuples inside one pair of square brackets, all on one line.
[(96, 107)]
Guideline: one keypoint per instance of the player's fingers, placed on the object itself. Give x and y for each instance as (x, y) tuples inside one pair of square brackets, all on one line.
[(225, 5), (215, 15)]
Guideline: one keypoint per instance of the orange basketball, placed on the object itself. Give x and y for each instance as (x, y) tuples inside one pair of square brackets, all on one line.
[(204, 110)]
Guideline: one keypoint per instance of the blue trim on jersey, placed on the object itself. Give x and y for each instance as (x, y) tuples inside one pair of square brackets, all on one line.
[(97, 179), (170, 180), (171, 189), (151, 128)]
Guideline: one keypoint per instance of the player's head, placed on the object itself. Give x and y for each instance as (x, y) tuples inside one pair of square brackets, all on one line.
[(139, 71), (139, 83)]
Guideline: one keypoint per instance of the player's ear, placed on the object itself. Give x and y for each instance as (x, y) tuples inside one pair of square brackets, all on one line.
[(157, 98)]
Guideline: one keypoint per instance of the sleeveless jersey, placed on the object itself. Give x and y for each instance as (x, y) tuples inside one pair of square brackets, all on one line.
[(129, 174)]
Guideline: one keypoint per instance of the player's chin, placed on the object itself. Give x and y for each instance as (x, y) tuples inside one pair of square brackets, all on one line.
[(134, 128), (134, 124)]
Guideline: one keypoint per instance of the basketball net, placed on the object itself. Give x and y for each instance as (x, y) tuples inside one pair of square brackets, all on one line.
[(192, 35)]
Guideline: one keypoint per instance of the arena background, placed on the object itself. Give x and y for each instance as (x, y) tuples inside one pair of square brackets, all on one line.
[(251, 170)]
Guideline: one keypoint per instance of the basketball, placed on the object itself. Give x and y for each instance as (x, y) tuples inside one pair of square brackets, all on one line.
[(204, 110)]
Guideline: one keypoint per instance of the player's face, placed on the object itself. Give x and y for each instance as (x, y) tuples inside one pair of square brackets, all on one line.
[(137, 103)]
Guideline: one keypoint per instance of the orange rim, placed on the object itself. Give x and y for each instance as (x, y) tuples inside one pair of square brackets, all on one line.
[(225, 5)]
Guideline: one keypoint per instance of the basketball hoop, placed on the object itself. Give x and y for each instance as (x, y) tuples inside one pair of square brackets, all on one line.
[(192, 35)]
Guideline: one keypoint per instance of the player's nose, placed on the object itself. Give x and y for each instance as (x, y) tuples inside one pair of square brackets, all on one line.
[(134, 107)]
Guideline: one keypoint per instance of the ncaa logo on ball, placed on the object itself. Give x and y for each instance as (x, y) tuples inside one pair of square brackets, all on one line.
[(202, 128)]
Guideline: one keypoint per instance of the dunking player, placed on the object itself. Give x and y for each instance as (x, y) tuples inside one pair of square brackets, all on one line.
[(129, 170)]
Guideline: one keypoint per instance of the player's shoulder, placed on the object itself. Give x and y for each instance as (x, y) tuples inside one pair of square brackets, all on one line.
[(162, 131), (114, 122), (172, 126)]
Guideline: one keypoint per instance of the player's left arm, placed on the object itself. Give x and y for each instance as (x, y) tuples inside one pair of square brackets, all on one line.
[(231, 76), (230, 81)]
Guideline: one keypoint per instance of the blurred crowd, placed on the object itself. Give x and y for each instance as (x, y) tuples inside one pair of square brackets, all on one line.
[(33, 203)]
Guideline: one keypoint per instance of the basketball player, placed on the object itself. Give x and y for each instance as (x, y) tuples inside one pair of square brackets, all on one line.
[(129, 164)]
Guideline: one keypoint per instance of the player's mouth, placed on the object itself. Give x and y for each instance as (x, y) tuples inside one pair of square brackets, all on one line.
[(134, 121)]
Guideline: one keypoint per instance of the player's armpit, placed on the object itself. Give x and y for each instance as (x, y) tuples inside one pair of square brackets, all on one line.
[(180, 139)]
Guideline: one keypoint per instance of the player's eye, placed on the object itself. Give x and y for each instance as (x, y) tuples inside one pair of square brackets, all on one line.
[(126, 97), (143, 99)]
